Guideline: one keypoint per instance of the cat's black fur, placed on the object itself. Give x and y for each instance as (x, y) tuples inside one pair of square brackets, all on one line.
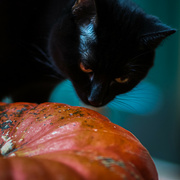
[(43, 42)]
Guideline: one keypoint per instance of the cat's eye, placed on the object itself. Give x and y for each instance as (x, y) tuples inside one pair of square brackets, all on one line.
[(122, 80), (84, 69)]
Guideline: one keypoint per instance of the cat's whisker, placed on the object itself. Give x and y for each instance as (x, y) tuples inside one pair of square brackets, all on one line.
[(121, 106), (69, 85), (134, 58), (136, 101), (118, 104), (138, 65), (33, 48), (42, 52), (44, 59), (135, 98), (49, 65), (43, 62)]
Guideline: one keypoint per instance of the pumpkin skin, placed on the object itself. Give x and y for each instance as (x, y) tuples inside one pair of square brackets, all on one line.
[(57, 141)]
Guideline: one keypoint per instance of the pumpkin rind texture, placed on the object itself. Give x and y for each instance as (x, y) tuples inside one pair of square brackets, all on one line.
[(57, 141)]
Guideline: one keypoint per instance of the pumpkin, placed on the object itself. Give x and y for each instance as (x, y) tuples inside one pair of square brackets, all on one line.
[(57, 141)]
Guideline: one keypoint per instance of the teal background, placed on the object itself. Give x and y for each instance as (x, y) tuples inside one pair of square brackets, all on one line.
[(154, 111), (160, 132)]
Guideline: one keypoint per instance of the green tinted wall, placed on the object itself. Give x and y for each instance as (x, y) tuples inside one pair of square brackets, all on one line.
[(160, 132)]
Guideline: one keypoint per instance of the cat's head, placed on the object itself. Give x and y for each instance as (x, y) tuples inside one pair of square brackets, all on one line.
[(105, 47)]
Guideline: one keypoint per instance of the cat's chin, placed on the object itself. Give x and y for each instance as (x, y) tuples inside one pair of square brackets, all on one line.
[(98, 104), (94, 103), (90, 103)]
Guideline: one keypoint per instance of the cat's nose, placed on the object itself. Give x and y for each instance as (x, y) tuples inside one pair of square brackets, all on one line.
[(94, 102)]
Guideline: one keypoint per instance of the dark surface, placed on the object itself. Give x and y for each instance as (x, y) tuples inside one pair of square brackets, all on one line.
[(24, 32)]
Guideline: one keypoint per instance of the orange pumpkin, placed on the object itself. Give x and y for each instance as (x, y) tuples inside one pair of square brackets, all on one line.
[(57, 141)]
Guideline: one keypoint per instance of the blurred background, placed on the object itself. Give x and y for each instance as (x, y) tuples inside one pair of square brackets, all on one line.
[(152, 110)]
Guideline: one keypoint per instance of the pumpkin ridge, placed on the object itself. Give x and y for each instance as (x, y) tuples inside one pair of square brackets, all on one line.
[(110, 164), (48, 144)]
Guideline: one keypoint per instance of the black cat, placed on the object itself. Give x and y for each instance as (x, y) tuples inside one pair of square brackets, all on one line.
[(104, 47)]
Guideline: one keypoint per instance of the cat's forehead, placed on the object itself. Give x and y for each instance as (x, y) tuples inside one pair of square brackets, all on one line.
[(102, 47), (101, 54), (109, 43)]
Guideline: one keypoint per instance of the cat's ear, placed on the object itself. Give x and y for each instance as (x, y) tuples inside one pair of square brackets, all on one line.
[(83, 10), (76, 4), (154, 33)]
